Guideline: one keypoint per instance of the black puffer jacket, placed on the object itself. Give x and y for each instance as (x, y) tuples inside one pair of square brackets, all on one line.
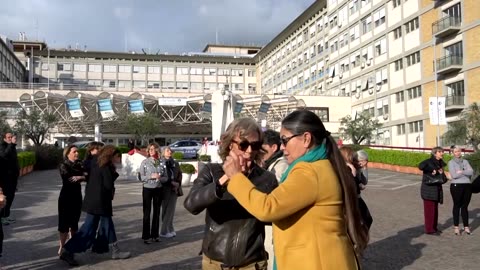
[(435, 192), (232, 235)]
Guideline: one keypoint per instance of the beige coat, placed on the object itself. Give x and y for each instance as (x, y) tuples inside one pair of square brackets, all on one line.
[(309, 229)]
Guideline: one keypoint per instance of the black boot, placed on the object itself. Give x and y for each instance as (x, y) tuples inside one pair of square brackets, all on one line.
[(68, 257)]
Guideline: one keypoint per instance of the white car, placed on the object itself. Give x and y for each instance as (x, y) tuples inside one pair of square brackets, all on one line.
[(189, 148)]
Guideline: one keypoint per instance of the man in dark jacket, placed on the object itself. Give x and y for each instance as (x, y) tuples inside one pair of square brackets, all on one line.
[(233, 238), (10, 172)]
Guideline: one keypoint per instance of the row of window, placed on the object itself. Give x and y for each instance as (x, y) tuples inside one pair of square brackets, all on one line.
[(411, 59), (150, 69), (413, 127), (409, 27), (10, 68), (412, 93), (164, 85)]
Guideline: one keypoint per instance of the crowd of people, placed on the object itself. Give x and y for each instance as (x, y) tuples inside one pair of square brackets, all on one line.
[(275, 198)]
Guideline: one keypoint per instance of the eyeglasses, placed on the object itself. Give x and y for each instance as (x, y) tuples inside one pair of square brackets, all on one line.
[(285, 140), (244, 144)]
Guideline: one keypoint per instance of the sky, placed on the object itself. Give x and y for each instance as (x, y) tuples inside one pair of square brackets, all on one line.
[(164, 26)]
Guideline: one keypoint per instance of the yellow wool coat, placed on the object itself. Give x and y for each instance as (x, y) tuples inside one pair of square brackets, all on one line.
[(309, 230)]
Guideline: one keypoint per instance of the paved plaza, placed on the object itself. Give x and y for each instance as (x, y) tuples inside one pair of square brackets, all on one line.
[(397, 239)]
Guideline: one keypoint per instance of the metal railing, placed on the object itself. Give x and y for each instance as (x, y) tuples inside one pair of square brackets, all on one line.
[(454, 100), (449, 60), (445, 23)]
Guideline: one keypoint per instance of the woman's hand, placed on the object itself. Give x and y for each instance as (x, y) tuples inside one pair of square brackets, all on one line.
[(233, 164)]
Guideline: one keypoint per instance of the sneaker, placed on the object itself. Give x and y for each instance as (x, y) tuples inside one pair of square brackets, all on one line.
[(147, 241), (11, 220), (167, 235), (5, 221), (68, 258), (117, 254), (156, 239), (174, 234)]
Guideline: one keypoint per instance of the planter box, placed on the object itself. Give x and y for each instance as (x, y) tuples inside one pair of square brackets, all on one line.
[(395, 168)]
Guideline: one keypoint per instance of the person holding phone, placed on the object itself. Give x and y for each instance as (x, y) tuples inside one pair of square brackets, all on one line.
[(70, 199), (10, 171)]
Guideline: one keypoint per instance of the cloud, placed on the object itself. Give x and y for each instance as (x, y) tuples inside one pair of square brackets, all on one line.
[(169, 26)]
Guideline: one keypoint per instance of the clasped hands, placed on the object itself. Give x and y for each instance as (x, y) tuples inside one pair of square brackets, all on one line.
[(77, 178), (233, 164)]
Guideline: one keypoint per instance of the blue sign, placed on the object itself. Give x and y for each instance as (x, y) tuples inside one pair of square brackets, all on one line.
[(207, 107), (105, 108), (238, 107), (136, 106), (264, 107), (73, 106)]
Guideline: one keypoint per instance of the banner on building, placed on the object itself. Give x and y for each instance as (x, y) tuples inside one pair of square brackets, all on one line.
[(105, 108), (136, 106), (437, 111), (74, 107), (207, 107), (172, 101)]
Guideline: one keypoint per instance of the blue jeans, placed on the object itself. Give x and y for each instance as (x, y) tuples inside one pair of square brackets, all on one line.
[(87, 237)]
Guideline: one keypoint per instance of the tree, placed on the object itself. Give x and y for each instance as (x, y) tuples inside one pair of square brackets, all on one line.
[(35, 125), (142, 126), (360, 128), (4, 126), (466, 129)]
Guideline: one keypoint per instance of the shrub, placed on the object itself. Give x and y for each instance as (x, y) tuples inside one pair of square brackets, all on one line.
[(474, 160), (177, 155), (81, 153), (187, 168), (205, 158), (47, 156), (402, 158), (26, 159), (123, 149)]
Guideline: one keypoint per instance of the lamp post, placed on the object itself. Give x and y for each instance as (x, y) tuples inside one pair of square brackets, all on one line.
[(436, 88), (48, 64)]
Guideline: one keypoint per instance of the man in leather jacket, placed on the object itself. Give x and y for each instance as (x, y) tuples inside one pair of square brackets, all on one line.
[(233, 237)]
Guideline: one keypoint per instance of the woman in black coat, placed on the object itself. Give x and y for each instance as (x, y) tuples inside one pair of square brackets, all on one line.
[(99, 194), (70, 199), (432, 195)]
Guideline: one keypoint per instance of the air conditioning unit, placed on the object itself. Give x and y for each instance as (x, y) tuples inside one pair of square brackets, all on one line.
[(370, 91), (369, 61), (357, 95), (340, 75), (362, 65), (385, 116), (378, 87)]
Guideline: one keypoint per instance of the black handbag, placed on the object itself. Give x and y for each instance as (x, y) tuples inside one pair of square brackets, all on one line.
[(476, 185), (434, 180)]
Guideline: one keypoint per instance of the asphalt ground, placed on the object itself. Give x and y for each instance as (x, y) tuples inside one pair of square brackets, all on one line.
[(397, 237)]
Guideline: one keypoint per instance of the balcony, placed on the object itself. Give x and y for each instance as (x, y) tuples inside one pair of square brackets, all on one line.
[(449, 63), (454, 103), (446, 26)]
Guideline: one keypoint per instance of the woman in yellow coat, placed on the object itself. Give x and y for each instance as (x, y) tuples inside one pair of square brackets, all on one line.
[(316, 221)]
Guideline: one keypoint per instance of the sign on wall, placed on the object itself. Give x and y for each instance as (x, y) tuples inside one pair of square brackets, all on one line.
[(74, 107), (105, 108), (437, 111), (163, 101), (136, 106)]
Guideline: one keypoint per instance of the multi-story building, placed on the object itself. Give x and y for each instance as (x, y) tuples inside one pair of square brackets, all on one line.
[(387, 57), (381, 54), (11, 69)]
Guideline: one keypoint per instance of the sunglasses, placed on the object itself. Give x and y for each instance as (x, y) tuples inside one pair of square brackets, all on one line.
[(285, 140), (244, 144)]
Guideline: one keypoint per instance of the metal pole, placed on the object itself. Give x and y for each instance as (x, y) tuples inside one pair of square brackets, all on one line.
[(436, 88), (48, 64)]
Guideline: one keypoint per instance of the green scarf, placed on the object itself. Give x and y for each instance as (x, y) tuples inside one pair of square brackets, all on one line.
[(318, 153)]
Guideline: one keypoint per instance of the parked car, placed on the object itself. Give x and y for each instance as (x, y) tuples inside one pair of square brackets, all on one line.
[(84, 144), (188, 147)]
